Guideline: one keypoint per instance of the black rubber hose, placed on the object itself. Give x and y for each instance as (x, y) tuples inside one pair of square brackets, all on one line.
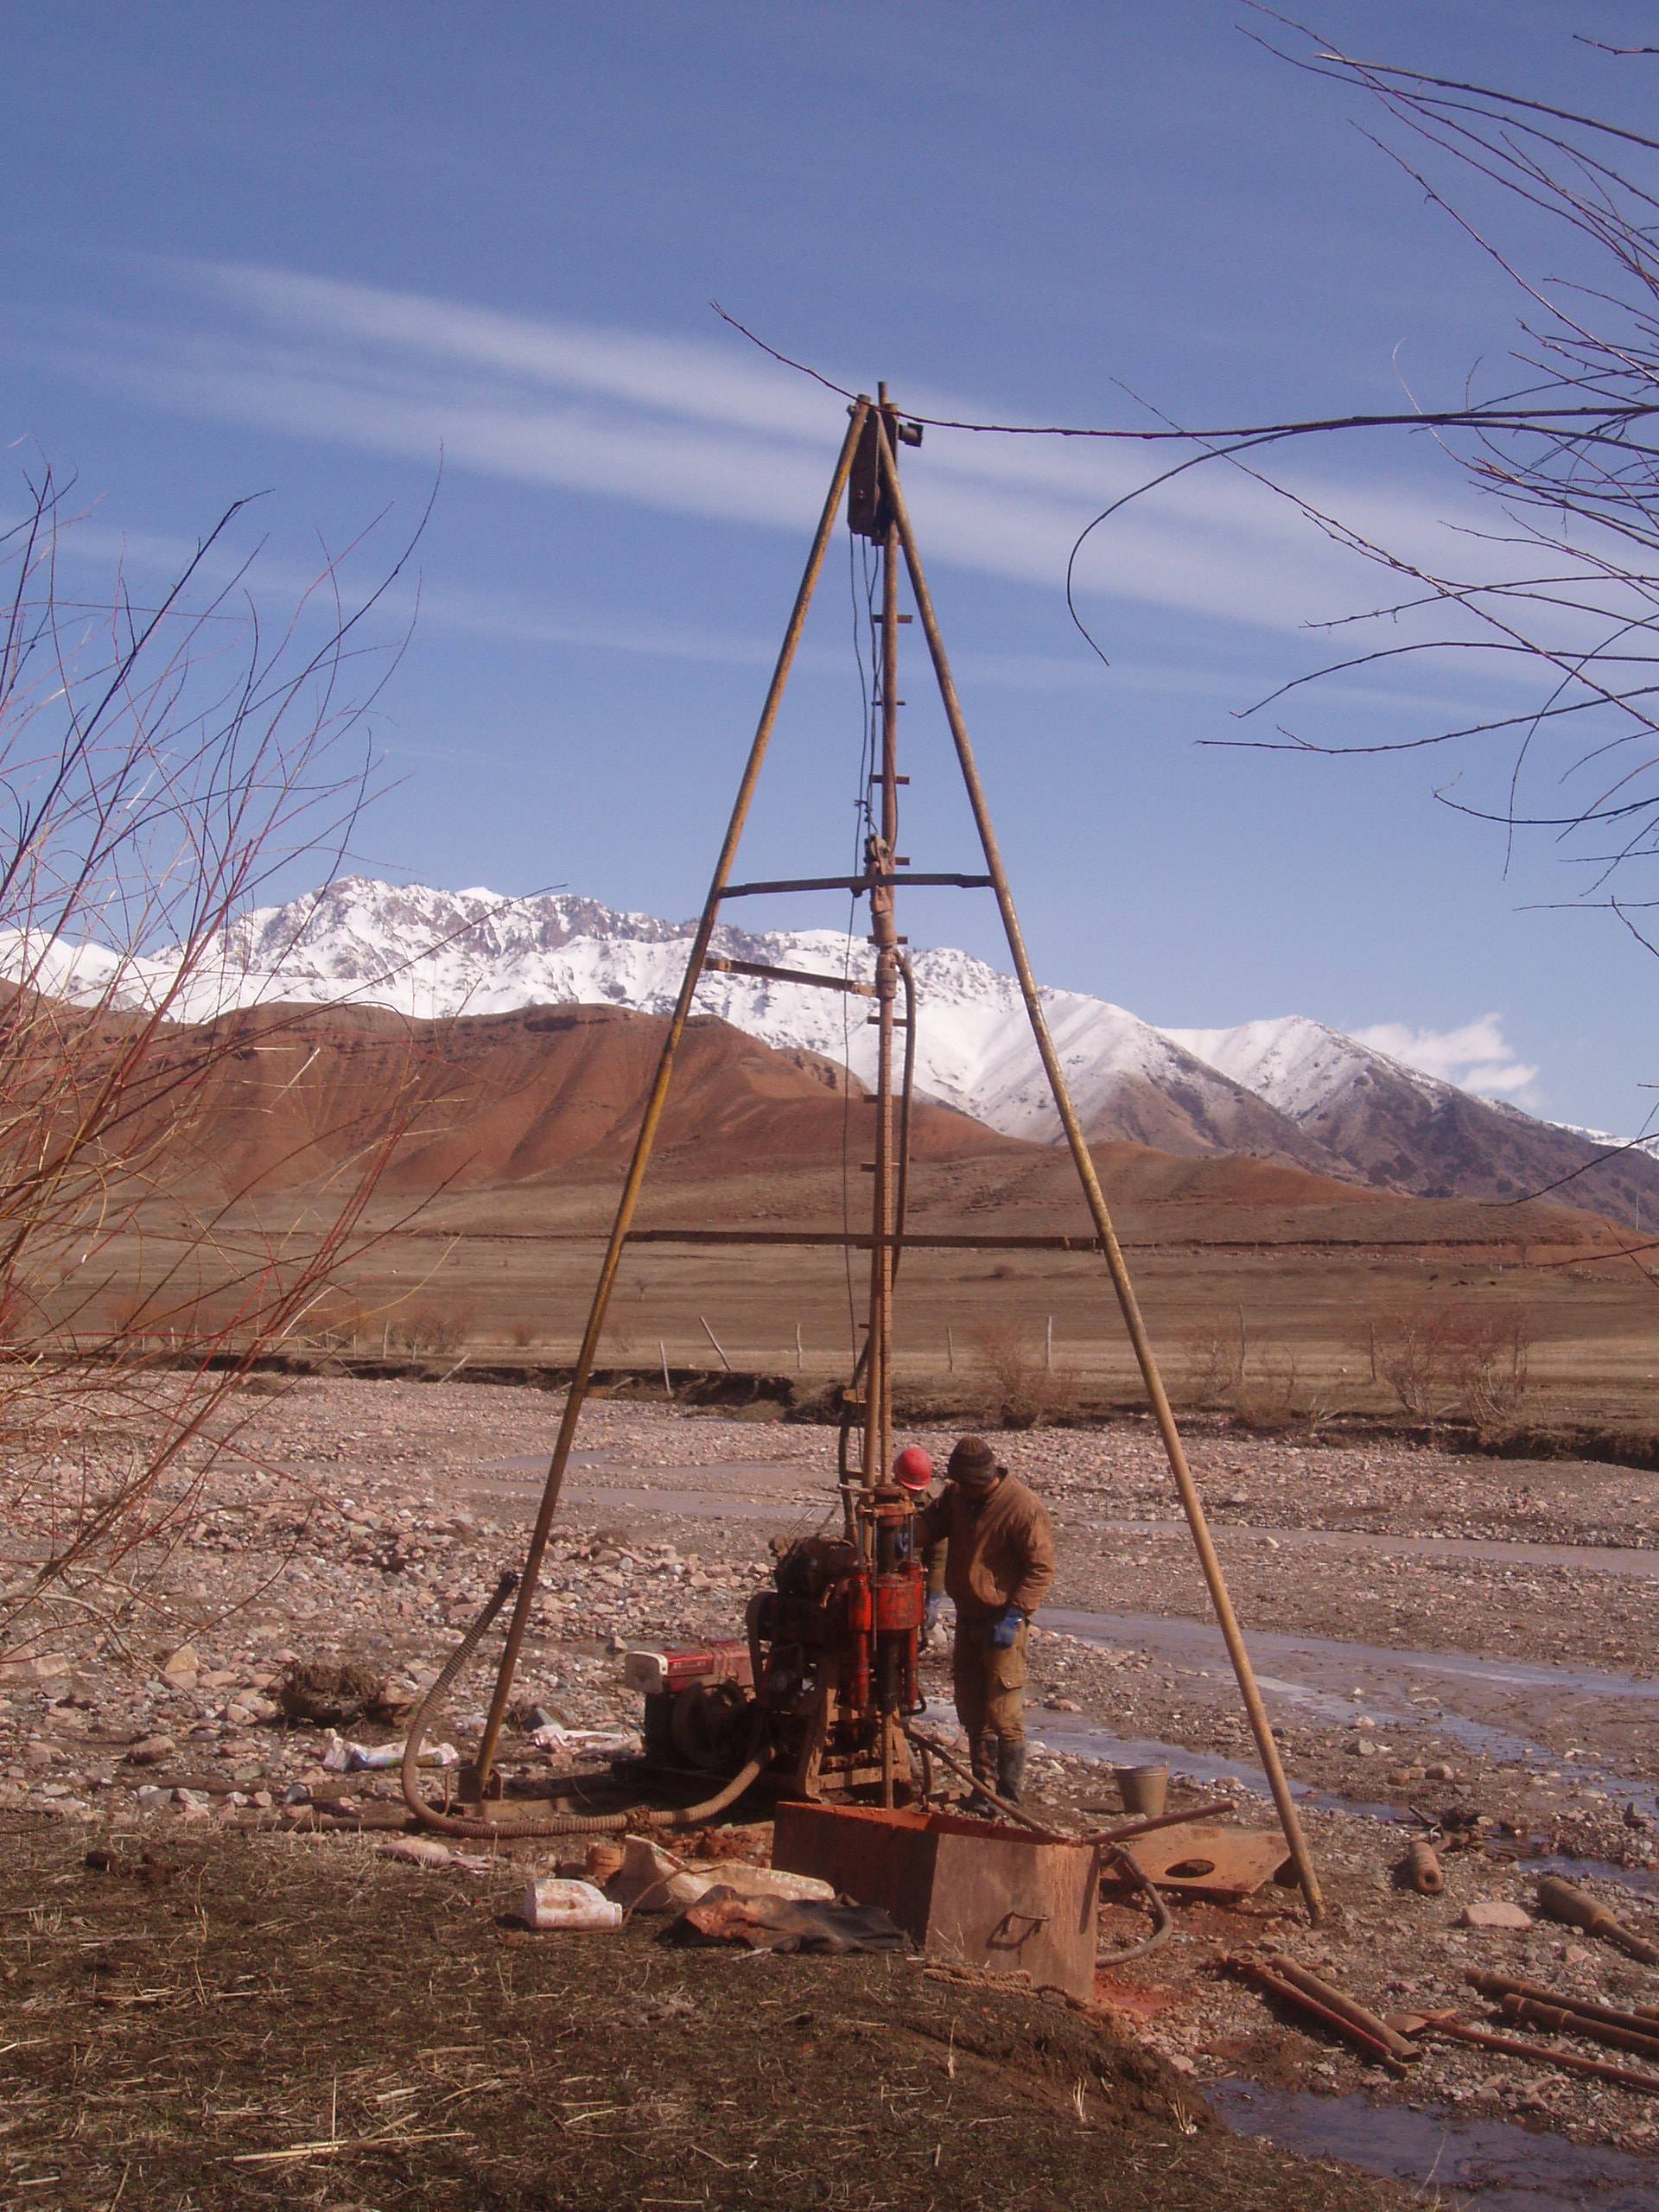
[(1163, 1926)]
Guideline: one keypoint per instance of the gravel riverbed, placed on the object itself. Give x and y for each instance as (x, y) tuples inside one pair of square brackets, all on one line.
[(1458, 1646)]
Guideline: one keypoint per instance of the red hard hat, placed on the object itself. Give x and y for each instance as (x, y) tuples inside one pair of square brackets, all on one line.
[(914, 1467)]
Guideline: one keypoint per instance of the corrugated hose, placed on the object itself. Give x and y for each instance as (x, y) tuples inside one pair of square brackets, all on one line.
[(490, 1828)]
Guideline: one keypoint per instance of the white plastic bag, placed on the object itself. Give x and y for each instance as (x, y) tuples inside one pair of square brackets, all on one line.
[(553, 1736), (344, 1758), (569, 1905), (653, 1880)]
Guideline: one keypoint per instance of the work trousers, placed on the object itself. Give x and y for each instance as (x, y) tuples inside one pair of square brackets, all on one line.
[(989, 1683)]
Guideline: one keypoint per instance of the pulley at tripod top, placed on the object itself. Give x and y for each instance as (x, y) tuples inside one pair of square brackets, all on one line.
[(869, 509)]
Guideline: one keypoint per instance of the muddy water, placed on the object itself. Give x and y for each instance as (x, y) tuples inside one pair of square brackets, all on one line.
[(1468, 1700), (1325, 1670), (1588, 1558), (1488, 2166)]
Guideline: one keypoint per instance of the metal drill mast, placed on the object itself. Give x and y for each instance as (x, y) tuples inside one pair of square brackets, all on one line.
[(882, 864)]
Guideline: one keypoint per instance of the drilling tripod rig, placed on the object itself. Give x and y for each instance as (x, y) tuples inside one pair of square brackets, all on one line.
[(815, 1698)]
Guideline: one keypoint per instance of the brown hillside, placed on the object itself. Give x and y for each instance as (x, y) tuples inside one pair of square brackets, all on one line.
[(505, 1099), (544, 1104), (525, 1119)]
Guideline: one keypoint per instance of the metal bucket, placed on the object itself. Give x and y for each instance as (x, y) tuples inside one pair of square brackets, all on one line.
[(1143, 1788)]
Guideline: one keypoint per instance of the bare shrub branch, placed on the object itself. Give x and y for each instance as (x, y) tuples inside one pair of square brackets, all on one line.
[(1021, 1391), (155, 774)]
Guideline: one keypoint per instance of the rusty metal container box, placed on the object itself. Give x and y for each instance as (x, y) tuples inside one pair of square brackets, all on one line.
[(973, 1891)]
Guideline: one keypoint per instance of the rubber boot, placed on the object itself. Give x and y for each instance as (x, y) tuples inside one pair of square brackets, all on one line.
[(979, 1804), (1010, 1769)]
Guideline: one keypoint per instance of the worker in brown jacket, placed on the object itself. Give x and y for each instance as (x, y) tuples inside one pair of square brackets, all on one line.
[(1000, 1564)]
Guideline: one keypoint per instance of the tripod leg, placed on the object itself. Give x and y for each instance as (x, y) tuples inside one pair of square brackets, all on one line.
[(655, 1102), (1129, 1305)]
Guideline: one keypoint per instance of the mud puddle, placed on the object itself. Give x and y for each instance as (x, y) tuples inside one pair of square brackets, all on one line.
[(1471, 1701), (1082, 1738), (1488, 2166)]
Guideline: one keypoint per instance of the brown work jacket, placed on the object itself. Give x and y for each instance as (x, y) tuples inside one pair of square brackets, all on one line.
[(1001, 1547)]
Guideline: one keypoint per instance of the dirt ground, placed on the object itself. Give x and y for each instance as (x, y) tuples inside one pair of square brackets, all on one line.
[(1284, 1324), (272, 2020), (1456, 1647)]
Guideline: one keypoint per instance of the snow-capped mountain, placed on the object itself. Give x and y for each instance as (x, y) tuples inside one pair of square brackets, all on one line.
[(1404, 1130), (1290, 1089), (438, 953)]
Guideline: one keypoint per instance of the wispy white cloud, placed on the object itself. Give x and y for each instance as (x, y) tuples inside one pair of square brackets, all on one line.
[(1476, 1056), (695, 427), (512, 615)]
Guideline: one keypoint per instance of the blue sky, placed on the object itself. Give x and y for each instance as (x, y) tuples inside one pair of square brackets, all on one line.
[(302, 250)]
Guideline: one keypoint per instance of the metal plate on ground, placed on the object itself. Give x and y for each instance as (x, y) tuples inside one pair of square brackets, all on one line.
[(1220, 1863)]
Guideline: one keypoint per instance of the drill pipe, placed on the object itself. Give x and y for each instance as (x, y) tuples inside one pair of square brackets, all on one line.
[(1338, 2001), (1498, 1985), (1422, 1870), (1302, 2000), (1599, 2069), (1563, 1901), (1530, 2013)]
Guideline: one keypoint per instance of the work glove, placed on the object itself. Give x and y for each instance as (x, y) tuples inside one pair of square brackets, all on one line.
[(1005, 1628), (935, 1607)]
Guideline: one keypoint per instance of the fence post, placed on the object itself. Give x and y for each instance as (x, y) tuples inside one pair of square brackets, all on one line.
[(950, 1348), (668, 1386), (1048, 1345), (800, 1351), (718, 1346)]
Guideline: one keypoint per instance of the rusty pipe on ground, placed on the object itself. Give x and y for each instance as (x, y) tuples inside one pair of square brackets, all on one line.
[(1302, 2000), (1577, 1910), (1499, 1986), (1082, 1159), (1597, 2069), (1533, 2013), (486, 1827), (1422, 1870), (1359, 2015)]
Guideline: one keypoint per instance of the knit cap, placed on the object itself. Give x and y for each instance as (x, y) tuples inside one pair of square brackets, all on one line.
[(972, 1463)]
